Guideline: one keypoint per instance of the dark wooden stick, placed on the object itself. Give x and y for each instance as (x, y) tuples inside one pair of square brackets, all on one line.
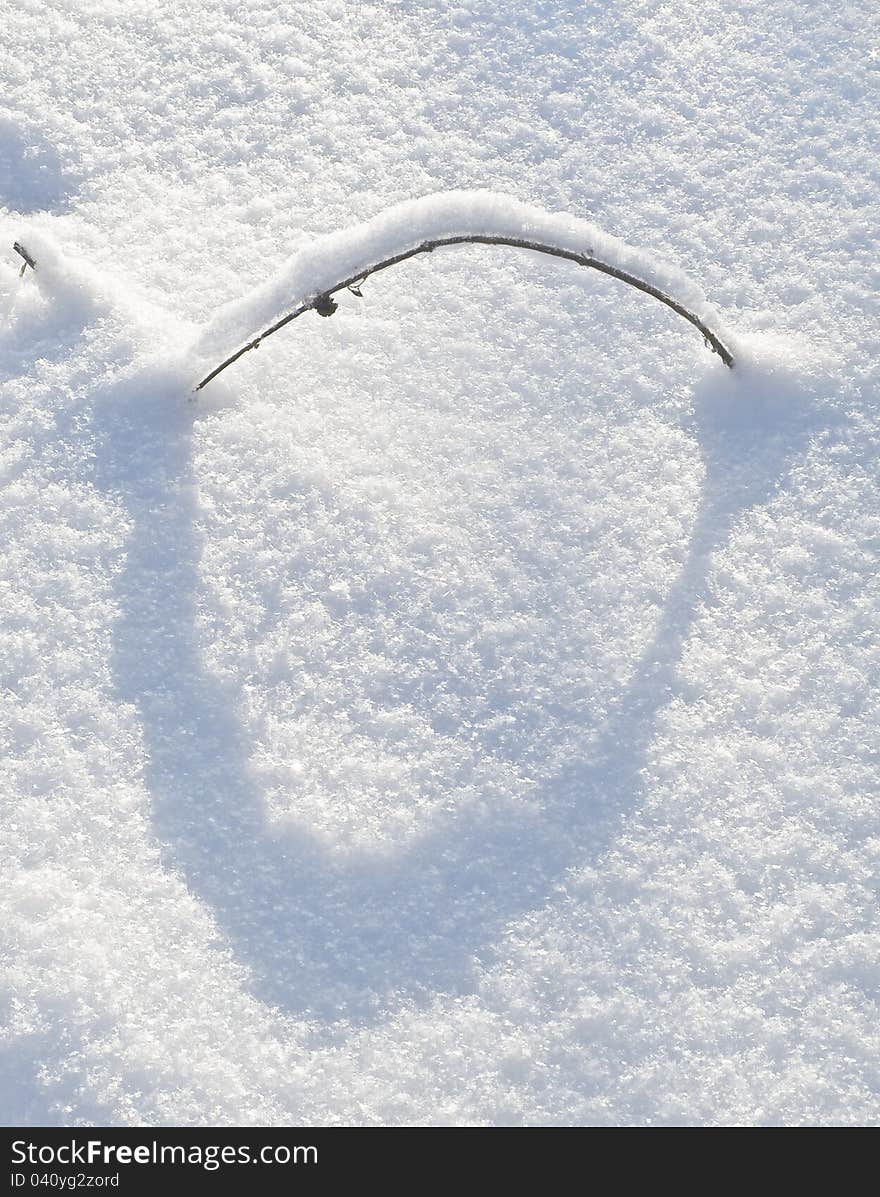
[(324, 305), (23, 253)]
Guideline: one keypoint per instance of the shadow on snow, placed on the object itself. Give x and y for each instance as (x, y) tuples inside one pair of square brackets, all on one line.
[(344, 941), (33, 175)]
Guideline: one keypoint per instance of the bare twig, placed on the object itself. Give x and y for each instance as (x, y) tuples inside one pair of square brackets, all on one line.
[(28, 260), (324, 305)]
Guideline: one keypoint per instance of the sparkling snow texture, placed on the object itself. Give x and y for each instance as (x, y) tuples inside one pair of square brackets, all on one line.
[(467, 711)]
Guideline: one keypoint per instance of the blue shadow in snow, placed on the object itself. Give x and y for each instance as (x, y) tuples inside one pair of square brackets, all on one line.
[(343, 941), (33, 176)]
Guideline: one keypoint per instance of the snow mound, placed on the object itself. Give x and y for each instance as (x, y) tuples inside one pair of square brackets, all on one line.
[(323, 264)]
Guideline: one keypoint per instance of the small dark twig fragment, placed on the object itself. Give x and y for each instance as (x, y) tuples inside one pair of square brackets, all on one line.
[(28, 260)]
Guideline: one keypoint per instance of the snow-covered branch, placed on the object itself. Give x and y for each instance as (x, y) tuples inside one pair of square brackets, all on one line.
[(340, 260)]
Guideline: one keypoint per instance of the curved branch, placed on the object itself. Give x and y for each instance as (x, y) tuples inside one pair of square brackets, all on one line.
[(319, 302)]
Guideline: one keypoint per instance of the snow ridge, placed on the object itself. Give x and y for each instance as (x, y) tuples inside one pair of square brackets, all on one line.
[(320, 266)]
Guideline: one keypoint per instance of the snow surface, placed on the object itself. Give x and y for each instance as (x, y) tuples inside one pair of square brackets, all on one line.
[(467, 712)]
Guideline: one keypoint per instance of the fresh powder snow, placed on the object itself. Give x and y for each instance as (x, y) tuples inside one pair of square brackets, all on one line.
[(464, 710)]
